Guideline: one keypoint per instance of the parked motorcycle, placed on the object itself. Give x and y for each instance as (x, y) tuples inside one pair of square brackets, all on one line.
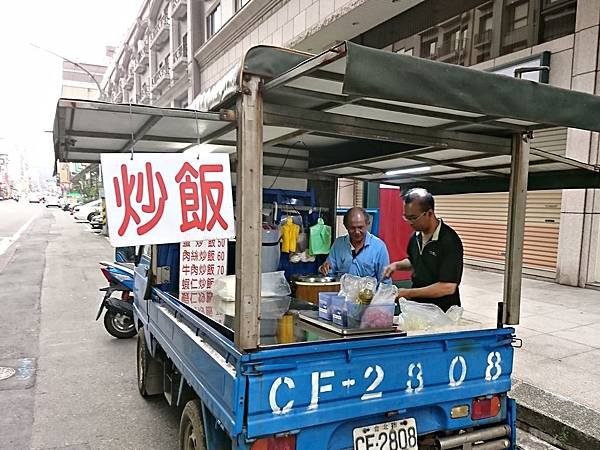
[(118, 319), (97, 221)]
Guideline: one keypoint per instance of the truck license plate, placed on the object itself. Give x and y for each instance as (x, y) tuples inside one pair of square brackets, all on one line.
[(396, 435)]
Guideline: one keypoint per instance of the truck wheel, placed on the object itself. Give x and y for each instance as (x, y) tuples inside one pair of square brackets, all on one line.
[(148, 370), (118, 325), (191, 427)]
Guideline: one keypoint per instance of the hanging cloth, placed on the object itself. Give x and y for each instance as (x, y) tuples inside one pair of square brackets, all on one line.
[(289, 236), (320, 238)]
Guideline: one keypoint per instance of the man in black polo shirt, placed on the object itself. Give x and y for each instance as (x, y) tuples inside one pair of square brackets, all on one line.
[(435, 254)]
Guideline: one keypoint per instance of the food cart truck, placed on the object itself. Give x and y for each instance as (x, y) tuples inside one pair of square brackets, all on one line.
[(359, 112)]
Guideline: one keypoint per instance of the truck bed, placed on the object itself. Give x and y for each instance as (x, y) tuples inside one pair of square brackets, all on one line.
[(324, 389)]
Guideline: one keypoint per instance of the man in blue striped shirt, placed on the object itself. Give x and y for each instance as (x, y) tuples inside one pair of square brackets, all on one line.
[(359, 252)]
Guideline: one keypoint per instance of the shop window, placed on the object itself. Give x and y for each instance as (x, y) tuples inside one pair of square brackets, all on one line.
[(214, 21)]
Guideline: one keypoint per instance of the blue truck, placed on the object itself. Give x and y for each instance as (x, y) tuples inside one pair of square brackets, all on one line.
[(368, 115)]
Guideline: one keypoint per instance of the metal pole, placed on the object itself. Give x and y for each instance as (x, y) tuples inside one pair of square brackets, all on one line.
[(100, 90), (248, 215), (517, 203)]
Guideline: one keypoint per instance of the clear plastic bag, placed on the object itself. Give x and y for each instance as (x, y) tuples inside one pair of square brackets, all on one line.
[(351, 285), (273, 284), (426, 316), (380, 312), (385, 295)]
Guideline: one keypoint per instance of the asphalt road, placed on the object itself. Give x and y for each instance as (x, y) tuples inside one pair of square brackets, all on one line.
[(75, 385), (14, 217)]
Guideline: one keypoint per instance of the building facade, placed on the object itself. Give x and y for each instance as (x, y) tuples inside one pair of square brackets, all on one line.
[(176, 49), (81, 81)]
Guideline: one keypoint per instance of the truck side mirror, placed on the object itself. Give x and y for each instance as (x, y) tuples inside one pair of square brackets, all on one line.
[(138, 255)]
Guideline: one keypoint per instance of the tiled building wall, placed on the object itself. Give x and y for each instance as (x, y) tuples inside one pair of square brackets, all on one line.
[(286, 24)]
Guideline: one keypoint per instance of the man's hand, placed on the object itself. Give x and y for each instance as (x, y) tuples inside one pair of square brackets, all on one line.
[(398, 265), (324, 269), (403, 293), (389, 269)]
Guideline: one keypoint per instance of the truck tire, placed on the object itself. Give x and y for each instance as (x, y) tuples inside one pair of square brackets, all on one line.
[(149, 371), (191, 427)]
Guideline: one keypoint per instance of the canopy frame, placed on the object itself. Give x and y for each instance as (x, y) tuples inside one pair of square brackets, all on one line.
[(354, 128)]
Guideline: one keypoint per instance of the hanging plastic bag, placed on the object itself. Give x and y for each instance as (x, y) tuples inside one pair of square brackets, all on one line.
[(426, 316), (289, 235), (320, 238)]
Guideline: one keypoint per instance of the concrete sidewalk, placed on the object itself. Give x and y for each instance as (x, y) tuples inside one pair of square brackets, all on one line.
[(557, 370)]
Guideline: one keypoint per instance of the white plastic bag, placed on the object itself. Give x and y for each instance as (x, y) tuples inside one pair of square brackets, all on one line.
[(426, 316)]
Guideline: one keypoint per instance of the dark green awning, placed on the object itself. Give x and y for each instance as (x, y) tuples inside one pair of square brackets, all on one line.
[(424, 82)]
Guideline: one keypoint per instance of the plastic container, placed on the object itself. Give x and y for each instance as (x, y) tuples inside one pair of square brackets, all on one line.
[(339, 312), (274, 307), (270, 248), (325, 305), (271, 308)]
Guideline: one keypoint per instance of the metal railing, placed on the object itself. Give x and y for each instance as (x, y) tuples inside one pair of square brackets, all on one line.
[(160, 25), (162, 72), (180, 52), (144, 92), (142, 54), (176, 4)]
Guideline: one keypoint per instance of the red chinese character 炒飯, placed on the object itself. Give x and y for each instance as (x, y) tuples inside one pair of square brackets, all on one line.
[(124, 189), (198, 195)]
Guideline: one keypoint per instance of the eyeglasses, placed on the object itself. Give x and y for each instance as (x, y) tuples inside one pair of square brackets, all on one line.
[(414, 219)]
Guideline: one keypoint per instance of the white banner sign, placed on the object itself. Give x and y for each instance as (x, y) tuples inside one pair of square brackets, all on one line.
[(164, 198), (200, 262)]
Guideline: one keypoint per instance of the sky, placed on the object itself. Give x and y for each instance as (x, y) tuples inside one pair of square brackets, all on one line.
[(30, 79)]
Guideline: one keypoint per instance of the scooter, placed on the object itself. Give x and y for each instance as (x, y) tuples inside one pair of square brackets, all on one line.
[(118, 319)]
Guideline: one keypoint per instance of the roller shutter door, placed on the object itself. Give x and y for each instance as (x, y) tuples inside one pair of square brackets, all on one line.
[(480, 219)]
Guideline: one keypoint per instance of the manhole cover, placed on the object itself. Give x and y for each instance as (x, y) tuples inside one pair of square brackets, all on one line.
[(6, 372)]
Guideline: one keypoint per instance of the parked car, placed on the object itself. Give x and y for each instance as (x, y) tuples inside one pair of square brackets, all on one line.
[(35, 197), (87, 211), (52, 200)]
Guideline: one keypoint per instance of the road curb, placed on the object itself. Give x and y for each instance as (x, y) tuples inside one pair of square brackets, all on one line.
[(561, 421)]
